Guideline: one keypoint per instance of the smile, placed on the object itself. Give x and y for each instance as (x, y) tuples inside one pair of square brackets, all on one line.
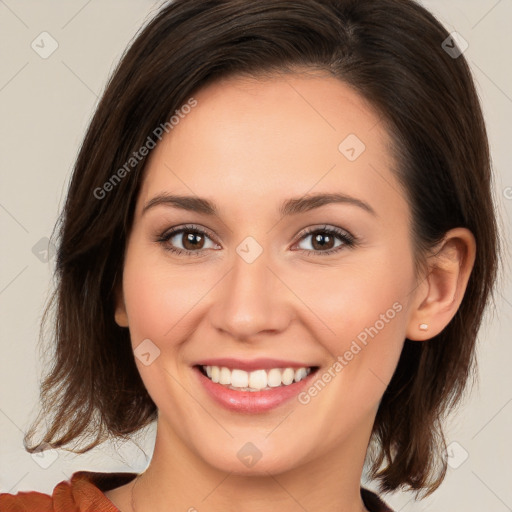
[(258, 380), (253, 390)]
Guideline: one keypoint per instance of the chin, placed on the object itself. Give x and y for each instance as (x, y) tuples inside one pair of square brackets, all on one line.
[(255, 456)]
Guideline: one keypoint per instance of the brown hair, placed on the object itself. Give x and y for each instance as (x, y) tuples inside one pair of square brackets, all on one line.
[(390, 52)]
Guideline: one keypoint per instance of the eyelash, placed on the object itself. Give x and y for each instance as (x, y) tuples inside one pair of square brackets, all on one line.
[(347, 239)]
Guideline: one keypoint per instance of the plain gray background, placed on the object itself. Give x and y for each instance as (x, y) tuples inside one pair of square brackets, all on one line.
[(45, 106)]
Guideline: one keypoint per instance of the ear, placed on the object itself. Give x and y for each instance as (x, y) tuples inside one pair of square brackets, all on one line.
[(439, 296), (120, 314)]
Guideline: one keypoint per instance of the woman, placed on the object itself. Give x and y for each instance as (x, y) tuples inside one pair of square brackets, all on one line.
[(278, 242)]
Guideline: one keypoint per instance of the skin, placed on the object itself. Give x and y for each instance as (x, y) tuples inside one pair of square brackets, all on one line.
[(248, 145)]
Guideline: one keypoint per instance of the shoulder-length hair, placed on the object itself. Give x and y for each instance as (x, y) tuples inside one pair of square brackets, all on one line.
[(398, 57)]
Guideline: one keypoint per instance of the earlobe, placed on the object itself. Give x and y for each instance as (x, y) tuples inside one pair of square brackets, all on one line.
[(445, 284), (120, 315)]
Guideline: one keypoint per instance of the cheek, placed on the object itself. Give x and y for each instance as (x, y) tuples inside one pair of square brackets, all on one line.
[(160, 299), (369, 289), (363, 313), (158, 296)]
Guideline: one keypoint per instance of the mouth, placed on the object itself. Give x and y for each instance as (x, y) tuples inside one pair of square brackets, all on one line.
[(257, 390)]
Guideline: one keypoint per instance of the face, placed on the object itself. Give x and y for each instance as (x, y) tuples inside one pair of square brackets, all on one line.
[(263, 278)]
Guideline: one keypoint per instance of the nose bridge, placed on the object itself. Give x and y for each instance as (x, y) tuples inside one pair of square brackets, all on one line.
[(252, 298)]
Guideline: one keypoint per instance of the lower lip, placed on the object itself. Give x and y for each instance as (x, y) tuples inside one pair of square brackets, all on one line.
[(252, 401)]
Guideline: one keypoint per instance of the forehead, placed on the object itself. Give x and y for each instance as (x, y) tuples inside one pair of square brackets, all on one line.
[(258, 140)]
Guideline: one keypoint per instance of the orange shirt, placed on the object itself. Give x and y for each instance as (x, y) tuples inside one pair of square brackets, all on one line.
[(84, 493)]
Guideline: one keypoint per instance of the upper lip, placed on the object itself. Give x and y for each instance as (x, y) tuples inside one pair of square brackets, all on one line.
[(253, 364)]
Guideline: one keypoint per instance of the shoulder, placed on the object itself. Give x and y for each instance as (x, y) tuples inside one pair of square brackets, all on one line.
[(84, 491), (25, 502), (373, 502)]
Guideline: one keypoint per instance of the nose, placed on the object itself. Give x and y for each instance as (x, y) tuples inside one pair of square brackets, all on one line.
[(251, 300)]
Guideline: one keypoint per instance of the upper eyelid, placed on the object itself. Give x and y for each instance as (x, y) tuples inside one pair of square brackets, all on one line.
[(180, 229), (326, 227)]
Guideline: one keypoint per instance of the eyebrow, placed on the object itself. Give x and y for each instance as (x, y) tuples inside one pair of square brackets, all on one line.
[(291, 206)]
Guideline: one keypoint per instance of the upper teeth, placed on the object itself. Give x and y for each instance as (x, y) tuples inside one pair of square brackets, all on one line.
[(255, 380)]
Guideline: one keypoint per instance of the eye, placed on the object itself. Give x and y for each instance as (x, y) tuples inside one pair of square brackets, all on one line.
[(191, 238), (324, 240)]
